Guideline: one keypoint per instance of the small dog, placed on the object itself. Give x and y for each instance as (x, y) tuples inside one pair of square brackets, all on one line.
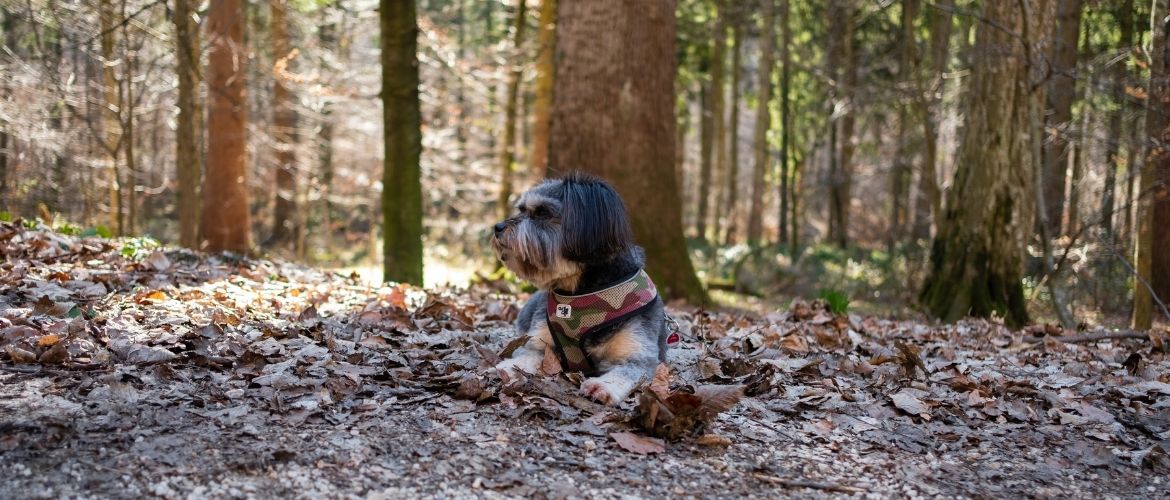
[(596, 308)]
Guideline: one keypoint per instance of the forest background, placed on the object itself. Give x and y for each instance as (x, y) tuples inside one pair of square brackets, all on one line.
[(992, 158)]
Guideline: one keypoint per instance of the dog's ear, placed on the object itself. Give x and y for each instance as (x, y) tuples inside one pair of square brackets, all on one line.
[(594, 224)]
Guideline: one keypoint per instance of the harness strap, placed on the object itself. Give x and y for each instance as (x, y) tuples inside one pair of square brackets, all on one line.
[(575, 319)]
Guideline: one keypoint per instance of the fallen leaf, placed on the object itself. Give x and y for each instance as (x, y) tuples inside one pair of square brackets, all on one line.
[(642, 445), (910, 404)]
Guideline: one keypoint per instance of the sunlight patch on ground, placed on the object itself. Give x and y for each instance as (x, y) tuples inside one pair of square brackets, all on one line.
[(435, 273)]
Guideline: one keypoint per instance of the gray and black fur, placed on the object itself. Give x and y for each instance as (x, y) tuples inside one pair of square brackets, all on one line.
[(573, 235)]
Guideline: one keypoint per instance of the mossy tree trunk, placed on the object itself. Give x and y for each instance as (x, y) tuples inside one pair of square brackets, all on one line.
[(508, 150), (976, 259), (402, 255), (188, 164), (545, 75), (613, 115), (225, 223)]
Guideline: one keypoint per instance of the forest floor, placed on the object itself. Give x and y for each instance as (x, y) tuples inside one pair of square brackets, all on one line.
[(128, 371)]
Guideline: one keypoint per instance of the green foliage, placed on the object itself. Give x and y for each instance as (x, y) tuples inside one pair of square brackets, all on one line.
[(99, 231), (136, 248), (837, 300), (5, 216)]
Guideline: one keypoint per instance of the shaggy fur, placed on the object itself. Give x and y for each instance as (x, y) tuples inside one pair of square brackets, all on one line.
[(572, 235)]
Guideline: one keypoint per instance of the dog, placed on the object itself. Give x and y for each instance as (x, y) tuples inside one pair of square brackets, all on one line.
[(597, 309)]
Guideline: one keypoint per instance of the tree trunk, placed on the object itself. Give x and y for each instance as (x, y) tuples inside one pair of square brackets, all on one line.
[(732, 209), (284, 130), (1061, 93), (545, 75), (508, 152), (1124, 16), (977, 256), (226, 222), (328, 38), (903, 158), (402, 229), (928, 202), (111, 115), (128, 76), (190, 120), (785, 117), (1153, 219), (841, 183), (614, 116), (712, 119), (5, 140), (763, 122)]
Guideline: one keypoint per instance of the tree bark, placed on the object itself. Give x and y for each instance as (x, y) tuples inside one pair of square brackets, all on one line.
[(5, 140), (545, 75), (284, 131), (928, 202), (614, 116), (903, 158), (1061, 93), (111, 114), (785, 117), (755, 227), (190, 120), (402, 229), (712, 119), (977, 257), (226, 222), (508, 151), (1124, 16), (732, 197), (1153, 218)]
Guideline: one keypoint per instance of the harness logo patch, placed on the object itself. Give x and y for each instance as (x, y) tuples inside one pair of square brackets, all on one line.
[(564, 311)]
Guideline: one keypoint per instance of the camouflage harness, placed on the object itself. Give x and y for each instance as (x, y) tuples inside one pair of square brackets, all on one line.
[(574, 319)]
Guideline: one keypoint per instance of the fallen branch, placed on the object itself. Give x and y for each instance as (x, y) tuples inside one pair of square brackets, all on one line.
[(1093, 337), (800, 483)]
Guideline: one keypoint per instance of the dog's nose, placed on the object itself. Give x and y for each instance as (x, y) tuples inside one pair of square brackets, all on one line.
[(499, 227)]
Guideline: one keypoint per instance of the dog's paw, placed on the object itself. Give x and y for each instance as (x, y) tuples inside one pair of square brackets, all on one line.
[(522, 362), (607, 389)]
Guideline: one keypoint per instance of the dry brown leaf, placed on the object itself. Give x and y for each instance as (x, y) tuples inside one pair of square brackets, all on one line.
[(660, 385), (716, 399), (55, 355), (550, 365), (48, 340), (19, 356), (910, 404), (507, 351), (642, 445)]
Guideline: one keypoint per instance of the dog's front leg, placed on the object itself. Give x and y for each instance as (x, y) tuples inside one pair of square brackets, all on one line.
[(529, 357), (625, 360)]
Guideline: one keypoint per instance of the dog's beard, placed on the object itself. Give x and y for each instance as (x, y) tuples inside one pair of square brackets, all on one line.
[(534, 254)]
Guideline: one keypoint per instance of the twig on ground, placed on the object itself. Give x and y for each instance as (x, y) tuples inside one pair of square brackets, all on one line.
[(801, 483), (1093, 337)]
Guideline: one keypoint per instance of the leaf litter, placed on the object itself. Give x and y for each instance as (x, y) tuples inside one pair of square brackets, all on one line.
[(184, 374)]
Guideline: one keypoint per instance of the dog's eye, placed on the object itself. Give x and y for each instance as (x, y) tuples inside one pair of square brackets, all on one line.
[(540, 212)]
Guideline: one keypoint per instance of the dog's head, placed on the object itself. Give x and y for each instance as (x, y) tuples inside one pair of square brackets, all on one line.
[(559, 227)]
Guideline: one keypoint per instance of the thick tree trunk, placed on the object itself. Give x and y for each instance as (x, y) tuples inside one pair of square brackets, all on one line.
[(614, 116), (284, 131), (188, 166), (545, 75), (226, 221), (732, 197), (402, 229), (706, 137), (1061, 93), (1153, 219), (508, 151), (755, 227), (841, 194), (713, 118), (785, 117), (977, 257)]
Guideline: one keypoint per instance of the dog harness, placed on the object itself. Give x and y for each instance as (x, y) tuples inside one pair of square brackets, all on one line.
[(573, 319)]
